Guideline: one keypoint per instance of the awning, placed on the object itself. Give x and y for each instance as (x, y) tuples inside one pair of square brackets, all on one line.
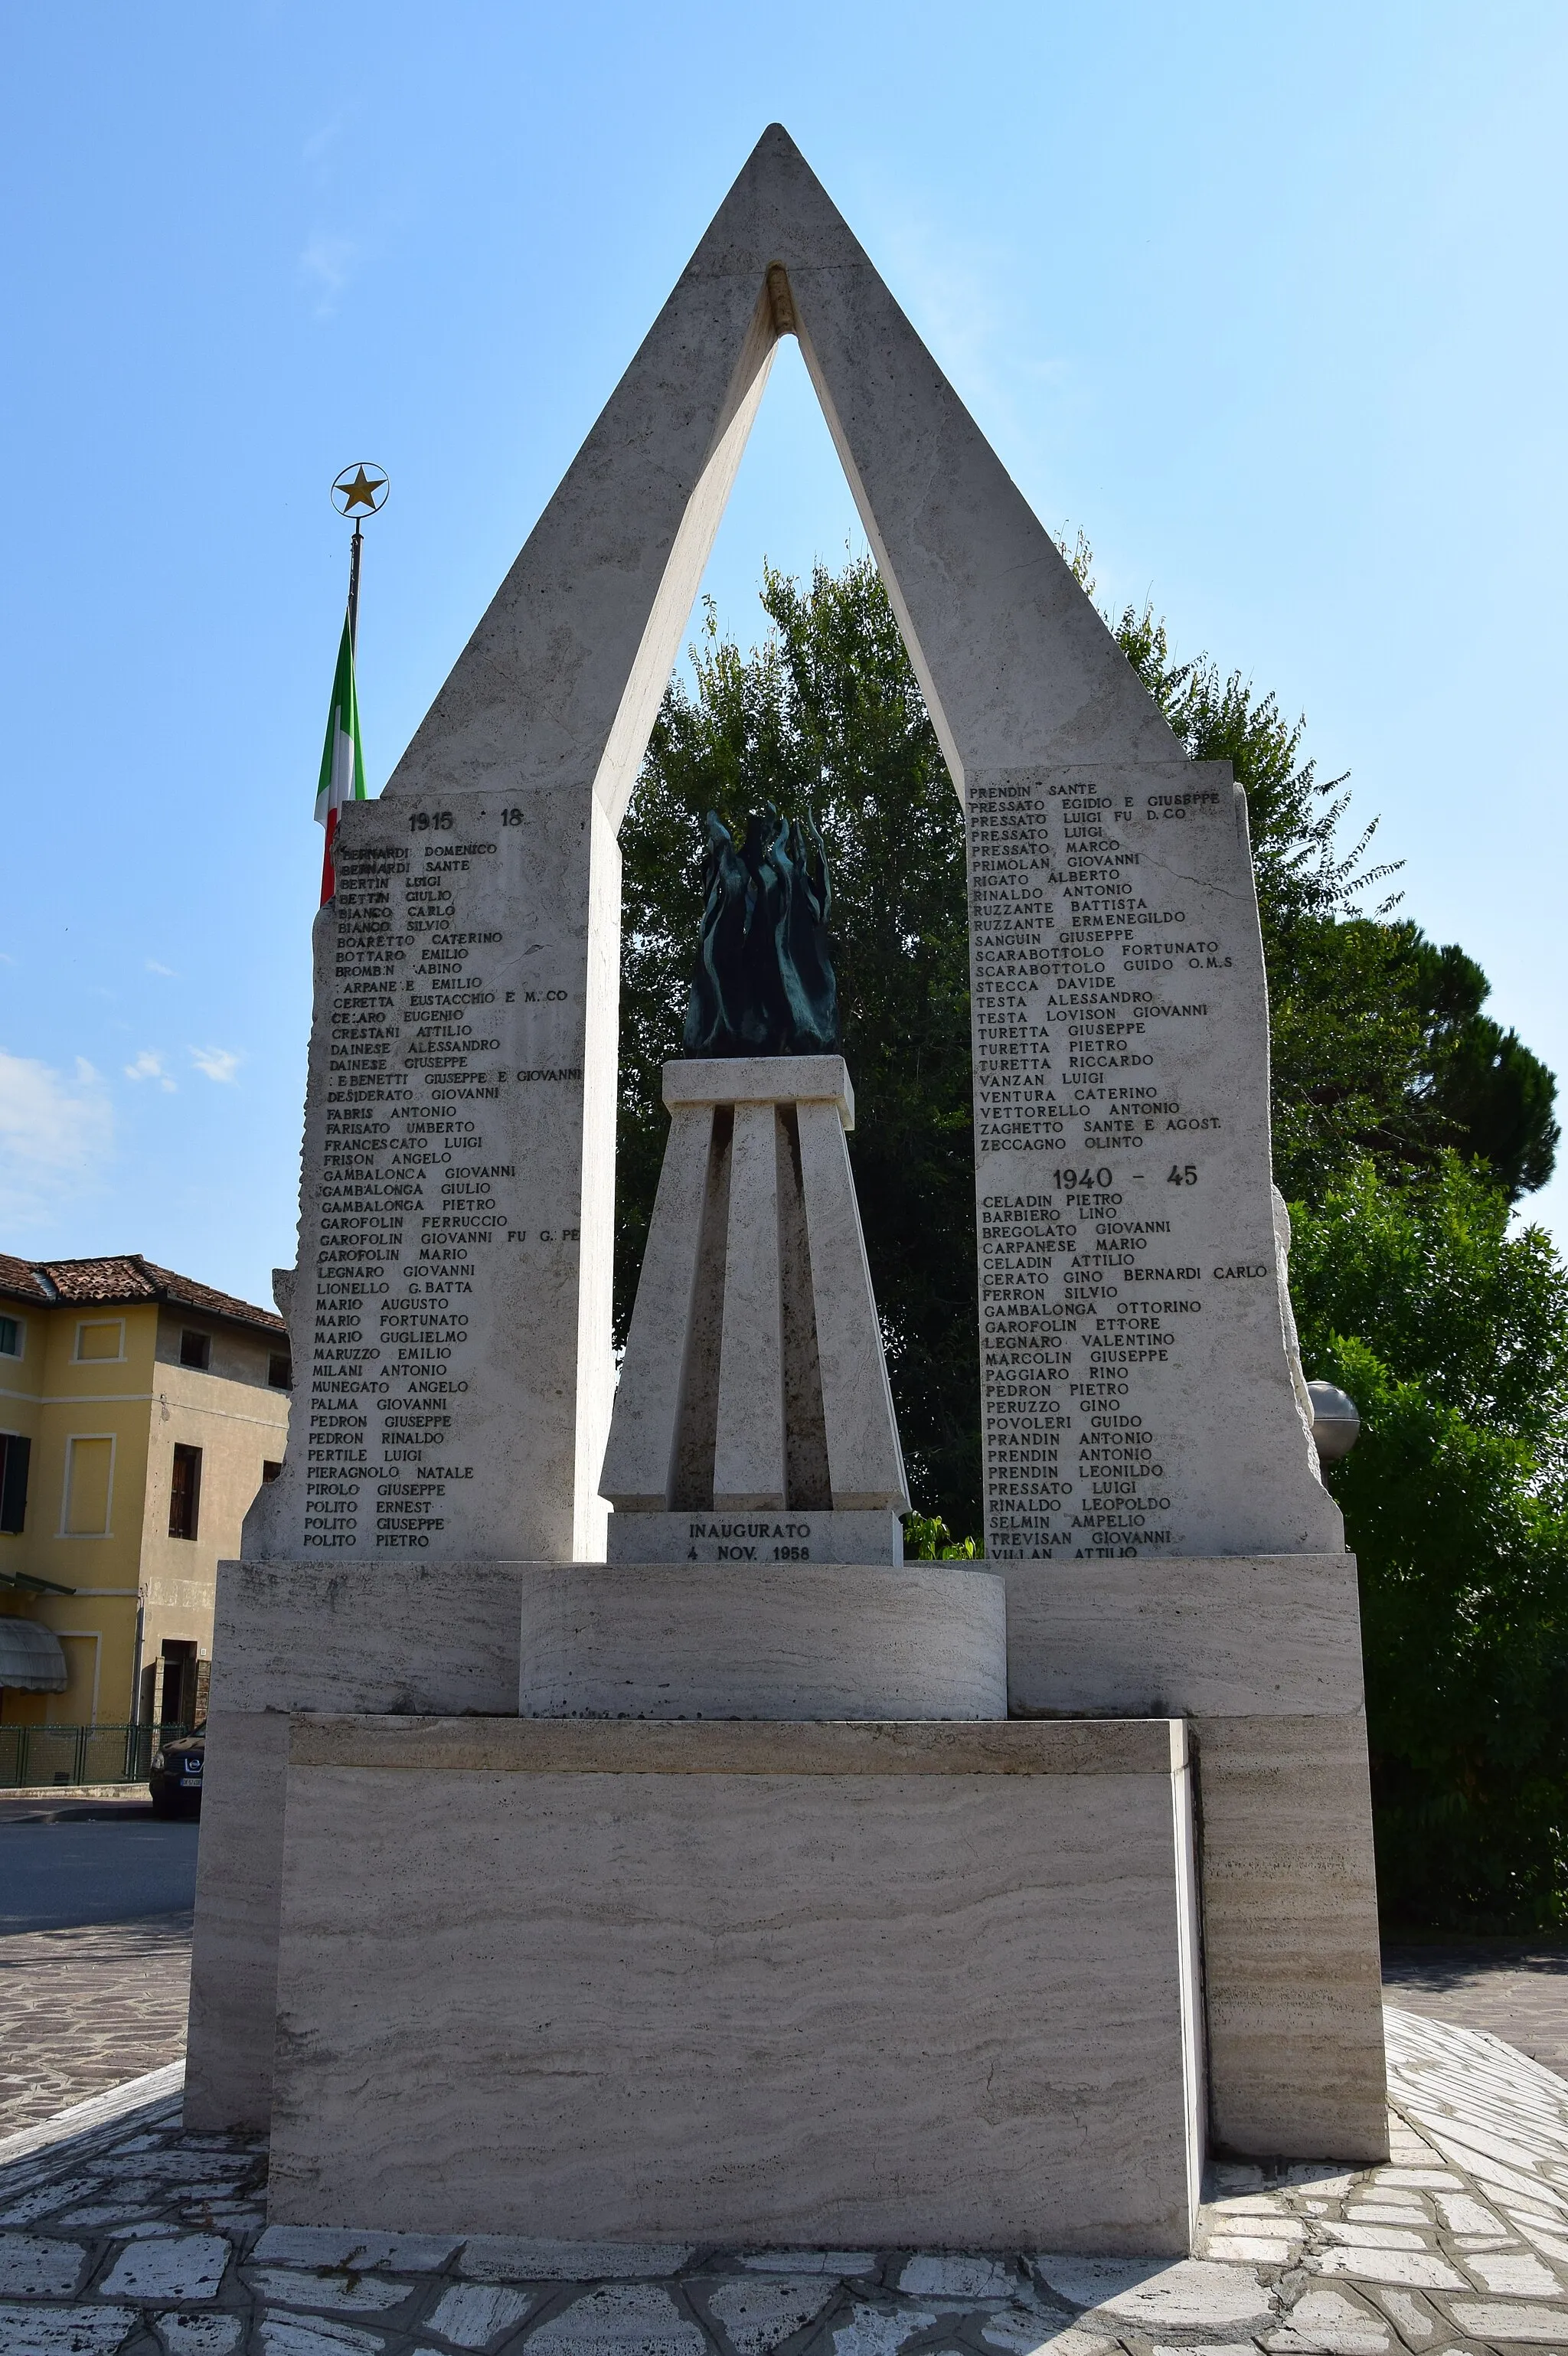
[(30, 1656)]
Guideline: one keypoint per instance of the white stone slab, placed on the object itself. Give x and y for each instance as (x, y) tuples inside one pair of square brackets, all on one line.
[(1140, 1394), (1241, 1635), (445, 1377), (783, 1641), (760, 1079), (639, 1468), (755, 2006), (191, 2266), (749, 1436), (865, 1460), (790, 1536)]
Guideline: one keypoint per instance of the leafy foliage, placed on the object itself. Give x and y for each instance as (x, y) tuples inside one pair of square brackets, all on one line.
[(1451, 1334)]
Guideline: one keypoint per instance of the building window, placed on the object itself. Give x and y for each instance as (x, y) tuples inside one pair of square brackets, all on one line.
[(195, 1350), (15, 1448), (184, 1492), (11, 1332), (97, 1343), (280, 1371), (89, 1477), (269, 1470)]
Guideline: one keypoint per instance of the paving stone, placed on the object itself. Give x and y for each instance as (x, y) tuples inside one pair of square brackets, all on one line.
[(343, 2292), (1462, 2214), (503, 2257), (947, 2273), (1516, 2276), (46, 2199), (845, 2262), (191, 2267), (873, 2331), (199, 2335), (1193, 2294), (1406, 2269), (1249, 2249), (330, 2245), (64, 2330), (1050, 2335), (632, 2319), (1489, 2319), (1326, 2323), (473, 2314), (101, 2213), (85, 2009), (148, 2230), (31, 2266), (1414, 2322), (1373, 2237), (298, 2335), (1424, 2178), (757, 2315)]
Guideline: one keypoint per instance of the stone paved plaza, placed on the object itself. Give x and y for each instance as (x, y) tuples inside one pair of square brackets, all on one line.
[(82, 2009), (120, 2235)]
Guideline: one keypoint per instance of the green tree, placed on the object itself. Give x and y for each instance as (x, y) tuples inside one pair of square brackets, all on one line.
[(1379, 1046), (1450, 1331)]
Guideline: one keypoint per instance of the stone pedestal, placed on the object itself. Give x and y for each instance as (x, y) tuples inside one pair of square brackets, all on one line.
[(793, 1641), (766, 1984), (755, 1390)]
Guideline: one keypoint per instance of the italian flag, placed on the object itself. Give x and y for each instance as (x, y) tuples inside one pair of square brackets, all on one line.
[(342, 760)]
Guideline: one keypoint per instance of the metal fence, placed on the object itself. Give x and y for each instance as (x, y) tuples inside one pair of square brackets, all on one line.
[(31, 1755)]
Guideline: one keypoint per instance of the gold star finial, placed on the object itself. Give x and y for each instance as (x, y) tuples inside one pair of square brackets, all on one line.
[(360, 493)]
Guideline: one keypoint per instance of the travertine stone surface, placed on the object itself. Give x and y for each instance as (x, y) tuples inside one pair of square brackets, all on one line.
[(792, 1536), (394, 1635), (446, 1372), (1291, 1958), (640, 1464), (1139, 1386), (776, 2007), (754, 1381), (369, 1637), (786, 1641), (234, 1951), (760, 1079), (865, 1461), (749, 1435), (1253, 1634), (1239, 1645), (536, 1746)]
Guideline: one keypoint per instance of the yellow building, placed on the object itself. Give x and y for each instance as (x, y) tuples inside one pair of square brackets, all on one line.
[(139, 1414)]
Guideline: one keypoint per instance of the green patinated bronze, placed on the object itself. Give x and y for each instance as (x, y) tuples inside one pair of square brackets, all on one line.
[(764, 983)]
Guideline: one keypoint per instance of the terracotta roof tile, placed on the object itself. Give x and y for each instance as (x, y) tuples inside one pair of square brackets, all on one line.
[(125, 1279), (18, 1280)]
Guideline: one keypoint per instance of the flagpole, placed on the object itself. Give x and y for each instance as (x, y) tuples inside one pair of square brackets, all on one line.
[(354, 546)]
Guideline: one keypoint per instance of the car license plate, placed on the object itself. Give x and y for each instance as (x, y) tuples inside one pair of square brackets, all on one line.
[(190, 1782)]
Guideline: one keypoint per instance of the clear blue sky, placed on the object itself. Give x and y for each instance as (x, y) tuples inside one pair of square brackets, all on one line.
[(1269, 302)]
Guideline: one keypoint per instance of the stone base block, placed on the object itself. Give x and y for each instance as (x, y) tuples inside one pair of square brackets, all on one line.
[(759, 1539), (791, 1641), (770, 1984)]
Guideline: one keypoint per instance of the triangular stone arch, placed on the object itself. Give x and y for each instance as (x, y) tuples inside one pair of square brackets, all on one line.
[(561, 680), (526, 760)]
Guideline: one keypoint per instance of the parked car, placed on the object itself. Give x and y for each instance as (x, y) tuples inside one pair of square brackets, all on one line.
[(176, 1778)]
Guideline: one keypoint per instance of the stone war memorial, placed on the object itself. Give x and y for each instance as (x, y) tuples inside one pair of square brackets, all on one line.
[(608, 1834)]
